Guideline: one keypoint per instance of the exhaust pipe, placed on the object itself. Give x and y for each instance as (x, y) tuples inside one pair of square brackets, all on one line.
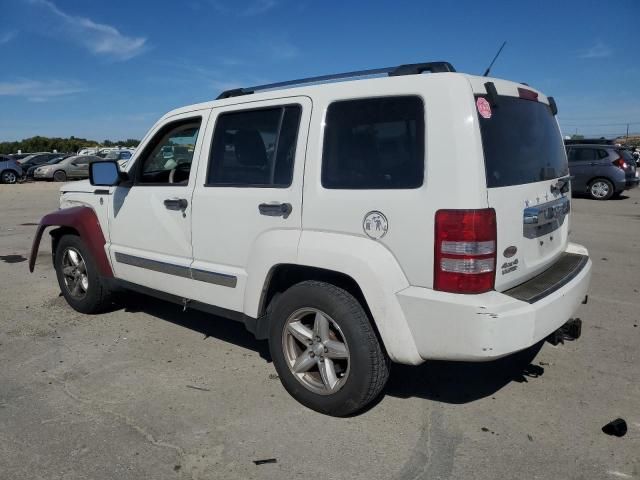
[(569, 331)]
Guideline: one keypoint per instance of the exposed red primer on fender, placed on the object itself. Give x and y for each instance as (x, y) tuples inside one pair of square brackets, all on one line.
[(85, 222)]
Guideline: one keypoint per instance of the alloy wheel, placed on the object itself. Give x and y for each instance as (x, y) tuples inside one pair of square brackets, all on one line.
[(9, 177), (599, 189), (316, 351), (74, 271)]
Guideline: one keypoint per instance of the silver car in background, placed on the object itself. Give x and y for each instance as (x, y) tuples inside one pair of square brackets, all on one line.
[(70, 168)]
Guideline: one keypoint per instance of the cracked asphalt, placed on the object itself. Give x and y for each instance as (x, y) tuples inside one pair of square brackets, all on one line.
[(150, 392)]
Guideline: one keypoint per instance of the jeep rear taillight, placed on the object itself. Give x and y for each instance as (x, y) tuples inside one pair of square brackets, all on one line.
[(465, 250)]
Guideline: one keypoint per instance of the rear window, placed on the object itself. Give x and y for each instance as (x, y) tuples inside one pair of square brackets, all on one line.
[(521, 143), (374, 143), (627, 155)]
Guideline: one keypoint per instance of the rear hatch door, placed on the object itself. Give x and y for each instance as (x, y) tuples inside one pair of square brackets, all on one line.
[(630, 169), (527, 181)]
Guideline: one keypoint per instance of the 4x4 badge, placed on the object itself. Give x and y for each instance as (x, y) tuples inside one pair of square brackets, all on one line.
[(375, 224)]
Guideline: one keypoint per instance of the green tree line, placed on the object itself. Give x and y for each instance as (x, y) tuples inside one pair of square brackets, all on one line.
[(70, 145)]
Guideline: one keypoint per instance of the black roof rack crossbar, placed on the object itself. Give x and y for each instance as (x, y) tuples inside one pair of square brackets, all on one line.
[(409, 69)]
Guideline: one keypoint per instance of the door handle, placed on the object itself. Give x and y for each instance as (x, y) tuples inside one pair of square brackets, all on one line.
[(275, 209), (176, 203)]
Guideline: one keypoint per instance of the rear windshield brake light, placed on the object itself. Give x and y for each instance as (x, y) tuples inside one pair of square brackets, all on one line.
[(527, 94)]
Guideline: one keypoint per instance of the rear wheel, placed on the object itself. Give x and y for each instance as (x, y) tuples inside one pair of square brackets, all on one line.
[(60, 176), (325, 350), (9, 176), (601, 189), (78, 276)]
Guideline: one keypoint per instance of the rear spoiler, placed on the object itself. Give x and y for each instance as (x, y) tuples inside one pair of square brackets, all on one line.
[(492, 95)]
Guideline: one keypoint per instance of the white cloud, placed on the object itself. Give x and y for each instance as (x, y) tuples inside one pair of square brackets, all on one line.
[(280, 49), (599, 50), (7, 36), (258, 7), (39, 91), (244, 9), (98, 38)]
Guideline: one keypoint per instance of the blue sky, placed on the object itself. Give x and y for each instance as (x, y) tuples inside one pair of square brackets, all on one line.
[(100, 69)]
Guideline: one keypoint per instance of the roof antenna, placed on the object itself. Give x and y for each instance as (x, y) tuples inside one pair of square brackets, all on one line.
[(486, 72)]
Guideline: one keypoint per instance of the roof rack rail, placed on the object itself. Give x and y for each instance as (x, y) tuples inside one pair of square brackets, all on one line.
[(409, 69)]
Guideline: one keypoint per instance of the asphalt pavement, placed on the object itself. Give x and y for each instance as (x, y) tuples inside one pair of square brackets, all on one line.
[(151, 392)]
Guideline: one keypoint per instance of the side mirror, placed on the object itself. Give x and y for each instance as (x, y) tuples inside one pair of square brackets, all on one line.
[(104, 174)]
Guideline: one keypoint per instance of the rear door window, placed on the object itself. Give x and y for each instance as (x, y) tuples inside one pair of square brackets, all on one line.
[(374, 143), (521, 143), (585, 154)]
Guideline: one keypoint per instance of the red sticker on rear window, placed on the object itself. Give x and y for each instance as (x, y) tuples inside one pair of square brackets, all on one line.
[(484, 109)]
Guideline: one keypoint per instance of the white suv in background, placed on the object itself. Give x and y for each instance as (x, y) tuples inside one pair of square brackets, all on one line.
[(402, 218)]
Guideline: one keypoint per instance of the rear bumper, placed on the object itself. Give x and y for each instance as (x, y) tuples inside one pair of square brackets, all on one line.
[(483, 327), (632, 183)]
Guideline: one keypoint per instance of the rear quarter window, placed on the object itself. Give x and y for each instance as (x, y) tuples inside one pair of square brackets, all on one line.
[(374, 143)]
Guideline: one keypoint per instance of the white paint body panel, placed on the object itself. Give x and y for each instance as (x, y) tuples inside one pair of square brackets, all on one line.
[(141, 225), (228, 228), (222, 231)]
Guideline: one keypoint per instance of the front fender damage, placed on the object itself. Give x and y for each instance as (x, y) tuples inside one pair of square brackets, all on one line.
[(84, 221)]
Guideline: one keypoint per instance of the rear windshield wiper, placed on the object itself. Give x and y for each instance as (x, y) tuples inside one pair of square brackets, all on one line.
[(562, 186)]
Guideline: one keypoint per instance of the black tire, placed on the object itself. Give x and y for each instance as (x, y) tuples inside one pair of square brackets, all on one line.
[(600, 189), (97, 297), (8, 176), (368, 364), (60, 176)]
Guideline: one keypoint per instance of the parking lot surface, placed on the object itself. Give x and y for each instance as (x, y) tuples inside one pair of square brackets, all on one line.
[(149, 391)]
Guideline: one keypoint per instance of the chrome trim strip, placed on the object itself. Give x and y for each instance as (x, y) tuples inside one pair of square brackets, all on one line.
[(542, 219), (177, 270), (214, 277)]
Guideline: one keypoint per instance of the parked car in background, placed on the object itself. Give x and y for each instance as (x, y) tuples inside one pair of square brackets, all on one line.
[(19, 156), (73, 167), (10, 170), (88, 151), (31, 170), (601, 171), (121, 156), (37, 159)]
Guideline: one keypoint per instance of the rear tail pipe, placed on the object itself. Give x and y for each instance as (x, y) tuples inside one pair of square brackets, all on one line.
[(568, 332)]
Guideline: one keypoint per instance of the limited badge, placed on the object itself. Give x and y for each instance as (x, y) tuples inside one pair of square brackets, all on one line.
[(375, 225), (484, 109)]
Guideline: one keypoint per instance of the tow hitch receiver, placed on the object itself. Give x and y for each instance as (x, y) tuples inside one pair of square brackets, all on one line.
[(569, 331)]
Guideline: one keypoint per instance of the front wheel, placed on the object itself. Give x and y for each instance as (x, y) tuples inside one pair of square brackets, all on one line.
[(325, 350), (78, 276), (60, 176), (601, 189)]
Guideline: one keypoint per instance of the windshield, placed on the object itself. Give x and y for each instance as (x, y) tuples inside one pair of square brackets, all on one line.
[(26, 159), (53, 161), (521, 143)]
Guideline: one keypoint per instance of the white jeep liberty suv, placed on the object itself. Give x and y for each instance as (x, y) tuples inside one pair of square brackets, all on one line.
[(401, 218)]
